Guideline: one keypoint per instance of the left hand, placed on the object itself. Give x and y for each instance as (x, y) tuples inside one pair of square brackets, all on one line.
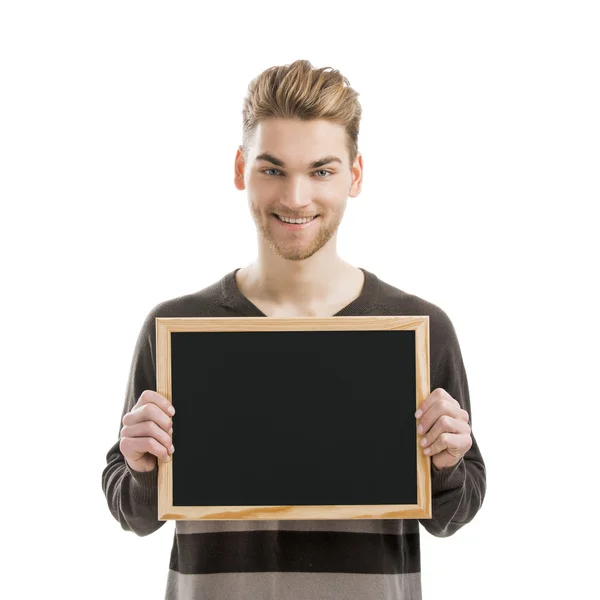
[(445, 427)]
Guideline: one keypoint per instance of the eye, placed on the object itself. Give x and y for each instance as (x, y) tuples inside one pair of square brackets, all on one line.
[(319, 171)]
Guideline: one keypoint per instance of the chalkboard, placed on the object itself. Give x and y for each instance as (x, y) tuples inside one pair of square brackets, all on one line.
[(294, 418)]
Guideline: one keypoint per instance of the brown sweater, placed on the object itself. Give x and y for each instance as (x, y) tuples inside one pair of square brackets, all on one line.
[(295, 560)]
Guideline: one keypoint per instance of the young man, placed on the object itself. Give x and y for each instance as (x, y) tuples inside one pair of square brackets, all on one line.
[(298, 162)]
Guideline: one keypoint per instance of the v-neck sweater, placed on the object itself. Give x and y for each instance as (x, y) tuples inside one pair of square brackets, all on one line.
[(298, 559)]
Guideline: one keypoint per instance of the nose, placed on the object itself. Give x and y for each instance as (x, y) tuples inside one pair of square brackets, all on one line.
[(296, 193)]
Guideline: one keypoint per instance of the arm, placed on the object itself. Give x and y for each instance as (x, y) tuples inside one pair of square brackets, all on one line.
[(132, 497), (458, 491)]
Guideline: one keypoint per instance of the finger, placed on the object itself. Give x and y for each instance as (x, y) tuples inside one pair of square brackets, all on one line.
[(438, 393), (163, 403), (148, 412), (457, 444), (445, 424), (148, 429), (442, 406), (135, 448)]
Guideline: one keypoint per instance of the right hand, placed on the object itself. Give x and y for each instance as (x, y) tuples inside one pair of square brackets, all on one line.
[(147, 432)]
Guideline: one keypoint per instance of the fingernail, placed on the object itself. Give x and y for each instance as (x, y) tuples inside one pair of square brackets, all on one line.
[(424, 442), (420, 428), (418, 414), (172, 449), (171, 431), (427, 450), (171, 410)]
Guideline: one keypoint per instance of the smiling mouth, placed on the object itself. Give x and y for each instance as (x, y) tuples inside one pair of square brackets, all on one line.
[(295, 226), (310, 218)]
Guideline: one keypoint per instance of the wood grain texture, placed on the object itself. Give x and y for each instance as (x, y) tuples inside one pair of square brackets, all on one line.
[(420, 324)]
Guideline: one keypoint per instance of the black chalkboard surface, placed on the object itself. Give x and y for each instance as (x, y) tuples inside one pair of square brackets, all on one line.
[(294, 418)]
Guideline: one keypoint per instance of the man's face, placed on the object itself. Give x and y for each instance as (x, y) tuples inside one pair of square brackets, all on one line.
[(295, 187)]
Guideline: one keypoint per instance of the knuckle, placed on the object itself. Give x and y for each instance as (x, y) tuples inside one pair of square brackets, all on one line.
[(157, 413), (148, 411), (160, 434), (148, 429), (446, 421)]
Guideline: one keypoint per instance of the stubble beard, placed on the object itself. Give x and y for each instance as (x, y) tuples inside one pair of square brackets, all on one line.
[(294, 248)]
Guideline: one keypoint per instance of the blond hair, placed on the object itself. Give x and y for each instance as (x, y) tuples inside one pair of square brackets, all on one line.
[(300, 91)]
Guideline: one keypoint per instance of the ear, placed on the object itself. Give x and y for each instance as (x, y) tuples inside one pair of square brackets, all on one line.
[(357, 173), (239, 166)]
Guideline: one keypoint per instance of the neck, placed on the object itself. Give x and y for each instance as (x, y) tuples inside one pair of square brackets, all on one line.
[(295, 283)]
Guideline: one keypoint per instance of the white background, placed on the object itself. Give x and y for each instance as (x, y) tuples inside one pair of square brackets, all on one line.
[(119, 123)]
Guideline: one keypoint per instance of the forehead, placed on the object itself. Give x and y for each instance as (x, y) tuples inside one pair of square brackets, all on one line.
[(298, 142)]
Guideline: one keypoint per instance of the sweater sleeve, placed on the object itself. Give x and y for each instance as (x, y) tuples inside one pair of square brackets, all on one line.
[(457, 491), (132, 497)]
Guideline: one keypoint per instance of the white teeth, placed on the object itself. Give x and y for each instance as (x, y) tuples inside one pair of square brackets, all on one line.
[(296, 221)]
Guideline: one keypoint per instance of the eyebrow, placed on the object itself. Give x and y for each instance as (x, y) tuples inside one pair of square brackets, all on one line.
[(314, 165)]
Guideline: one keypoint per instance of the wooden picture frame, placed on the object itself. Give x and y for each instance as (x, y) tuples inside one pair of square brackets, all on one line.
[(314, 368)]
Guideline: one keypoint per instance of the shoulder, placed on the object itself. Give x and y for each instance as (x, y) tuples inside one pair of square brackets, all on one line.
[(447, 368), (395, 301), (200, 303)]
